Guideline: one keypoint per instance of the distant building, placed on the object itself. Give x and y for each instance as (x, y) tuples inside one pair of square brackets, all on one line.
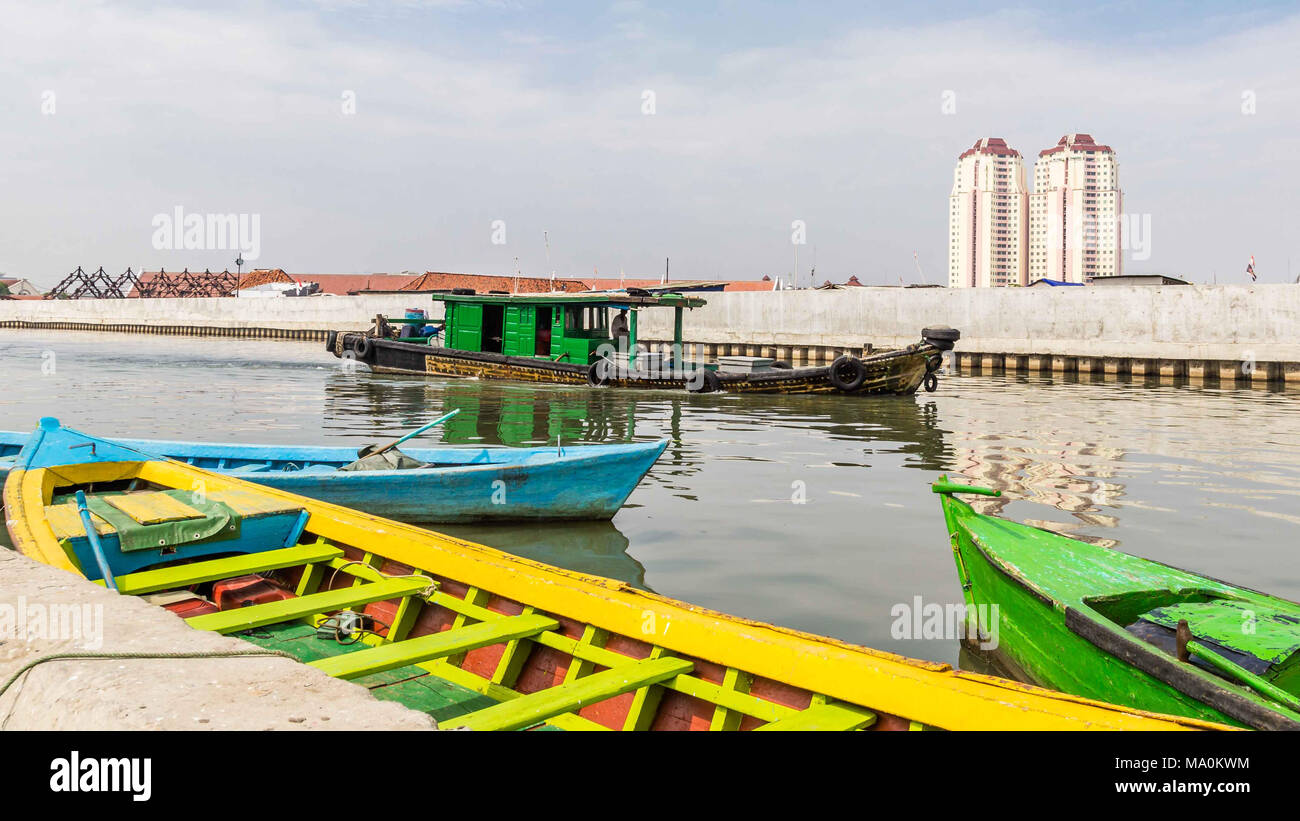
[(262, 282), (1140, 279), (1052, 283), (19, 287), (1074, 210), (485, 283), (852, 282), (987, 213), (764, 284), (226, 283)]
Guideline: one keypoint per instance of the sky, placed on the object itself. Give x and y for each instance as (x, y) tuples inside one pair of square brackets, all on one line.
[(581, 138)]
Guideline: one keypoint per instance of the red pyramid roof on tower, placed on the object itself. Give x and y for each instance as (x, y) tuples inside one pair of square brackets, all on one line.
[(995, 146), (1076, 142)]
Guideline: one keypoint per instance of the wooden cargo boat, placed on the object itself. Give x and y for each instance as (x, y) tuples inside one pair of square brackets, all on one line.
[(1103, 624), (475, 637), (567, 339), (456, 485)]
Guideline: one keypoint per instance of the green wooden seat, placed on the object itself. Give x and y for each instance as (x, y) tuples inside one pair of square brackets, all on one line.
[(259, 615), (434, 646), (837, 716), (537, 707), (184, 575)]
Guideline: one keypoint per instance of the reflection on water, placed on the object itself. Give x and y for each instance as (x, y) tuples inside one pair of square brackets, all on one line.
[(811, 512), (598, 548)]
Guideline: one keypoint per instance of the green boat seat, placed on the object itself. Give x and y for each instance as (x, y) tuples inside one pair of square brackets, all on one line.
[(834, 716), (260, 615), (1255, 637), (434, 646), (176, 576), (535, 708)]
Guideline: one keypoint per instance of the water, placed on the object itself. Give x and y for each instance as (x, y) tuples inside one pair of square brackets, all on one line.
[(809, 512)]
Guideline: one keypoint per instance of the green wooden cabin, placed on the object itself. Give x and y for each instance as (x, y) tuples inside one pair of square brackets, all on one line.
[(559, 327)]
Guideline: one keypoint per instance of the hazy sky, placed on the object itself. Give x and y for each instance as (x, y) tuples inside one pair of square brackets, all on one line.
[(534, 114)]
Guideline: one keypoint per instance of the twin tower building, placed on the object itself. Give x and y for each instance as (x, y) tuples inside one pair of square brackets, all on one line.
[(1066, 229)]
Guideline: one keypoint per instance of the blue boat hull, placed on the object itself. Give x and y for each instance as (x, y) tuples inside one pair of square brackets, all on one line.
[(468, 484)]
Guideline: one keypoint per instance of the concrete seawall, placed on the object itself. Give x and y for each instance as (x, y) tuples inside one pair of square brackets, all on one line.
[(45, 611), (1244, 333), (291, 317)]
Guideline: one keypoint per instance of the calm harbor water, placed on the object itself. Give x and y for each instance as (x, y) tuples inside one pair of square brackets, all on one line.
[(809, 512)]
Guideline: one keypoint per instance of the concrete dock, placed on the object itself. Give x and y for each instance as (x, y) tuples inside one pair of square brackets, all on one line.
[(45, 611), (1243, 334)]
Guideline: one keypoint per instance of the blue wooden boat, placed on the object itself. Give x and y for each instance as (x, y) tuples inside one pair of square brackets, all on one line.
[(460, 484)]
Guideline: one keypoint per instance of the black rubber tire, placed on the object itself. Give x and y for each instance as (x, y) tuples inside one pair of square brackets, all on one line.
[(363, 348), (930, 383), (847, 373), (330, 339), (463, 291), (781, 366), (709, 382), (599, 373), (941, 336)]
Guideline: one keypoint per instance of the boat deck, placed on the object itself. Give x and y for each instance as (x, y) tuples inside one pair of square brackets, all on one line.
[(411, 686)]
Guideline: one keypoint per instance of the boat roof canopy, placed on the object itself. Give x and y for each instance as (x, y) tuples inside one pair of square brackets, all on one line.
[(612, 298)]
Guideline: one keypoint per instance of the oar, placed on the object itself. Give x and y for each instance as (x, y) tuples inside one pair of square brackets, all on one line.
[(374, 450), (92, 536)]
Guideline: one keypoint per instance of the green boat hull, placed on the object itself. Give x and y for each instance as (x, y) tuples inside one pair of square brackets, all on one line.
[(1061, 610)]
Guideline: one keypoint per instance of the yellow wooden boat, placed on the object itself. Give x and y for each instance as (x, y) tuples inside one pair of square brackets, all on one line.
[(475, 637)]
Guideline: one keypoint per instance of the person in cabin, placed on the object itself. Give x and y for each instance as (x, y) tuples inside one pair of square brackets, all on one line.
[(618, 329)]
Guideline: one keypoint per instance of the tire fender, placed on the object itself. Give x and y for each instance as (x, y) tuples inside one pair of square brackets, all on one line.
[(709, 382), (598, 373), (363, 348), (847, 373)]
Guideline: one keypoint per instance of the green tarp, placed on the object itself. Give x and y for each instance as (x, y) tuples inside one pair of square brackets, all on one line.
[(219, 522)]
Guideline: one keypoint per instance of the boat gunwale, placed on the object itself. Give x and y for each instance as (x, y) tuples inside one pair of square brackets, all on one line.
[(1187, 679), (329, 454)]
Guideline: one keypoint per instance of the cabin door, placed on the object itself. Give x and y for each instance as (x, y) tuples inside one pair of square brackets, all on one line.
[(466, 323), (493, 328), (542, 333), (518, 337)]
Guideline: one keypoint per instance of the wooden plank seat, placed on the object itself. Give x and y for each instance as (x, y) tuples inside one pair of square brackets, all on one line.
[(184, 575), (434, 646), (535, 708), (260, 615), (250, 502), (833, 716), (152, 508)]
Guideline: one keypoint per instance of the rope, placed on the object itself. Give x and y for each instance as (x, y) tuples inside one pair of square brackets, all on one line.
[(211, 654)]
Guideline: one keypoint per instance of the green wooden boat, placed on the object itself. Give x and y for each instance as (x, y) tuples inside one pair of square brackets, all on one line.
[(1102, 624)]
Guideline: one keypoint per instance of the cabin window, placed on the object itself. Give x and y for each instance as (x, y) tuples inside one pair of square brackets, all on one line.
[(585, 318)]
